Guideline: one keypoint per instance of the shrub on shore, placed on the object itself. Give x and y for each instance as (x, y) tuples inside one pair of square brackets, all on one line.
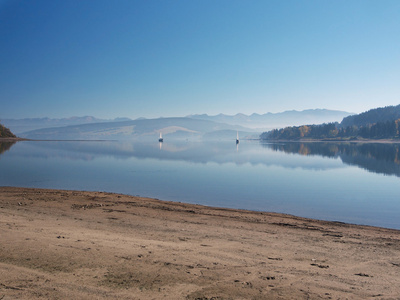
[(6, 133)]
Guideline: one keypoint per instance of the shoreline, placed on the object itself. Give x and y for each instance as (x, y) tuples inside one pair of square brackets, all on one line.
[(11, 139), (77, 244), (353, 141), (361, 141), (33, 140), (209, 207)]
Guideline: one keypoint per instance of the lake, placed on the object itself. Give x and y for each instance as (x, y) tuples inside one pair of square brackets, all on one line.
[(347, 182)]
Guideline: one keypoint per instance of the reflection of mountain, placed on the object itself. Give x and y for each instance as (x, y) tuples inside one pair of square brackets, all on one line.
[(219, 152), (197, 152), (4, 146), (377, 158)]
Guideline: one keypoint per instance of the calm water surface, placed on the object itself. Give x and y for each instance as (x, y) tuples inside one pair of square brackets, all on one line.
[(356, 183)]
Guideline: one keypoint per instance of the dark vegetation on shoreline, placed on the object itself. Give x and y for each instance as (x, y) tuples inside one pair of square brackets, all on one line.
[(6, 133), (379, 123), (5, 146)]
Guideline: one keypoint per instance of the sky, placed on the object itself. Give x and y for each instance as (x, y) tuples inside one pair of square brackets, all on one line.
[(150, 58)]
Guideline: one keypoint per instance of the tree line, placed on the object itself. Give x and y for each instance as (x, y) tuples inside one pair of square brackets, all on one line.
[(379, 130), (381, 114)]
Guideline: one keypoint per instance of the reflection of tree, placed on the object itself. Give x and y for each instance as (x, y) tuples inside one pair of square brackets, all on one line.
[(378, 158), (4, 146), (322, 149)]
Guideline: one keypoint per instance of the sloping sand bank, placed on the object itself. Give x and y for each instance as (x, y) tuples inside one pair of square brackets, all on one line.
[(94, 245)]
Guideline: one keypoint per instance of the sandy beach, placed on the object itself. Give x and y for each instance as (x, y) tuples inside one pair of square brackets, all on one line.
[(93, 245)]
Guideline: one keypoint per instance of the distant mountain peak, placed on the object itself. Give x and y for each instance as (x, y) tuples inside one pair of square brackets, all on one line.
[(276, 120)]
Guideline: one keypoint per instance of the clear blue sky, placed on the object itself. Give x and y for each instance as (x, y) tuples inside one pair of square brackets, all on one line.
[(62, 58)]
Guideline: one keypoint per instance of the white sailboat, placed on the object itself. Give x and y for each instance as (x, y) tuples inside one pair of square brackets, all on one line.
[(237, 137), (161, 138)]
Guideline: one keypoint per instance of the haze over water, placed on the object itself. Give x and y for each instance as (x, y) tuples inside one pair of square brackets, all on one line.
[(355, 183)]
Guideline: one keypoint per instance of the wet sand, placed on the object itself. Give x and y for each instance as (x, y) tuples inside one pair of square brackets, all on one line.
[(94, 245)]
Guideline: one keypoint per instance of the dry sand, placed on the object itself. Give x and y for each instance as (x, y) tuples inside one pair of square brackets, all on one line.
[(94, 245)]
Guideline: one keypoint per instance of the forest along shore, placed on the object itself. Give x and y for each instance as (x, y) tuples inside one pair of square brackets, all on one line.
[(86, 245)]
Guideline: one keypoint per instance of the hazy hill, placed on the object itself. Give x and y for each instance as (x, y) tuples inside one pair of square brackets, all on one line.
[(22, 125), (148, 128), (381, 114), (277, 120)]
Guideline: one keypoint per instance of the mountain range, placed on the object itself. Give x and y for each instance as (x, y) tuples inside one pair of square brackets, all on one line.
[(268, 121), (194, 126), (177, 128)]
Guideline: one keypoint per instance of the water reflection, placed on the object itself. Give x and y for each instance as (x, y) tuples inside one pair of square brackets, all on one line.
[(220, 152), (377, 158), (374, 157), (198, 152), (307, 179), (5, 146)]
